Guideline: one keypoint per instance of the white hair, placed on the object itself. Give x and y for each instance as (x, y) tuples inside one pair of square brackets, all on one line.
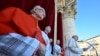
[(39, 7)]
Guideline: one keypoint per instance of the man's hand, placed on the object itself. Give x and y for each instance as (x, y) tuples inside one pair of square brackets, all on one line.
[(85, 49)]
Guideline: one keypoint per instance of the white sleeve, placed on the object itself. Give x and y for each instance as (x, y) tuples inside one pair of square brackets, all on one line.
[(45, 37), (72, 45)]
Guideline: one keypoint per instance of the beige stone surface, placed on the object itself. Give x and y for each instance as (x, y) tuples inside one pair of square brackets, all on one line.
[(92, 52), (68, 10)]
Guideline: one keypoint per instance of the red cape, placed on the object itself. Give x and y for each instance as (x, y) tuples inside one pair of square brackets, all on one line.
[(15, 20)]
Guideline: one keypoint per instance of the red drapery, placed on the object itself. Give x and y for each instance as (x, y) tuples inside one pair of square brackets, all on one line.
[(60, 31), (59, 28)]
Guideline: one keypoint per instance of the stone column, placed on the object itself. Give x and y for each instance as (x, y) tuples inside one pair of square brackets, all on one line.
[(69, 20)]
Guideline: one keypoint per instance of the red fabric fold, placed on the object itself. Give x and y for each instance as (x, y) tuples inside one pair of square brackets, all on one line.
[(22, 23), (59, 28)]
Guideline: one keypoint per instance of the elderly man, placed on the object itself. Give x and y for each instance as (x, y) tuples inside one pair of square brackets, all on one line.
[(47, 40), (20, 34), (57, 48), (72, 48)]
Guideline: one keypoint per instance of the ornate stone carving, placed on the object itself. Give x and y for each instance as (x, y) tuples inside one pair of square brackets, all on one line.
[(60, 5), (70, 8)]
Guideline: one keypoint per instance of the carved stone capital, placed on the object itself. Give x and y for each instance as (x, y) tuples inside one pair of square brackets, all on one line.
[(60, 5), (70, 8)]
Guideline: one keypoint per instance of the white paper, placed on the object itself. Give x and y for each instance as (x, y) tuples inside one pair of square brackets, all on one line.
[(90, 46)]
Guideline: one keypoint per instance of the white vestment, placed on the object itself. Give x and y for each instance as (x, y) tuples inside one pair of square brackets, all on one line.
[(14, 44), (48, 45), (57, 50), (72, 48)]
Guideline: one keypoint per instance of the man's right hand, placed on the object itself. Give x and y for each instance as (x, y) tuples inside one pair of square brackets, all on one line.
[(85, 49)]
